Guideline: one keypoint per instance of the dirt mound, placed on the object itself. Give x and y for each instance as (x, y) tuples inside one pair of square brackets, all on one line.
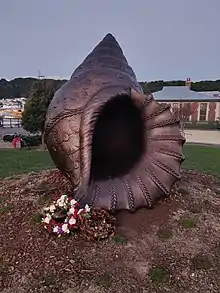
[(174, 247)]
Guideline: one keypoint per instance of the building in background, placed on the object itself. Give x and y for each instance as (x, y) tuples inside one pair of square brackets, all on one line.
[(205, 106), (11, 112)]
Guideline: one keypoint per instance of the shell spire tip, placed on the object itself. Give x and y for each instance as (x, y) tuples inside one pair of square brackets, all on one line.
[(109, 36)]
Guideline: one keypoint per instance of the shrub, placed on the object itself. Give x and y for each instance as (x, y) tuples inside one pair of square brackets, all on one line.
[(32, 140)]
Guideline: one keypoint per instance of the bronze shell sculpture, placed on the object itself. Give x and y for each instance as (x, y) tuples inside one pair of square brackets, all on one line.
[(119, 148)]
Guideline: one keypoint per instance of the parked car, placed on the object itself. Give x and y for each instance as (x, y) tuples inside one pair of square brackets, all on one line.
[(9, 137)]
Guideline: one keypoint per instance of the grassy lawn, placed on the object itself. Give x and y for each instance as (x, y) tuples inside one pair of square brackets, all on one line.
[(23, 161), (204, 159)]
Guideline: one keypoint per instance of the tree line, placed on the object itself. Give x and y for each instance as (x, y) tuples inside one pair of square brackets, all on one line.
[(20, 87), (198, 86)]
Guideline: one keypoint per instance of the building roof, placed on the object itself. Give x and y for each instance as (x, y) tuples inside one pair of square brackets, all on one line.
[(215, 94), (181, 93)]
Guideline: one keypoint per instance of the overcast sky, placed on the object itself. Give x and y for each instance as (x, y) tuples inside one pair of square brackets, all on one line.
[(162, 39)]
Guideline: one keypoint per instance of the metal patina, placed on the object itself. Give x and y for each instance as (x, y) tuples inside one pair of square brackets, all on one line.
[(119, 148)]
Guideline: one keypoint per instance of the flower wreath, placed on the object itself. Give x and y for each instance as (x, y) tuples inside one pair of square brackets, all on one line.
[(61, 217)]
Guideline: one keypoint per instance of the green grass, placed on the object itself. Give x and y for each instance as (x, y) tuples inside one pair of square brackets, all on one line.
[(164, 234), (14, 162), (187, 223), (119, 239), (104, 281), (36, 219), (203, 159), (6, 209), (158, 275), (201, 262)]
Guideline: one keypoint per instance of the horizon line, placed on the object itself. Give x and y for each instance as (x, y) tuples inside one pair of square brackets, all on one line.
[(67, 78)]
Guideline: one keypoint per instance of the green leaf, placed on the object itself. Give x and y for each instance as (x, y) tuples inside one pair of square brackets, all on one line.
[(87, 216)]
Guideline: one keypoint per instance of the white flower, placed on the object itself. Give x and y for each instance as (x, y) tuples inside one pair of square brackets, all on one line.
[(63, 197), (46, 209), (71, 211), (72, 202), (52, 208), (61, 201), (87, 208), (55, 229), (60, 204), (47, 219), (65, 206), (72, 221), (65, 228)]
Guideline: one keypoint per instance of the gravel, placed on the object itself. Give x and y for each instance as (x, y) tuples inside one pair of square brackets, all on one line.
[(137, 260)]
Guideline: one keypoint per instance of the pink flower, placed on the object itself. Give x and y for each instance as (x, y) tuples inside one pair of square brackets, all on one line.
[(71, 211), (65, 228), (72, 221)]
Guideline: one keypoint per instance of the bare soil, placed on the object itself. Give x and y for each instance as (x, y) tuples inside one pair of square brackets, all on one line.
[(175, 247)]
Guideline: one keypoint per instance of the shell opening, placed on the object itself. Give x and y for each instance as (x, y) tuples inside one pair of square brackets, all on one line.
[(118, 139)]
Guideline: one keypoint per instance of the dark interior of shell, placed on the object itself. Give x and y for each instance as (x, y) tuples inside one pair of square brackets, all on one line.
[(118, 139)]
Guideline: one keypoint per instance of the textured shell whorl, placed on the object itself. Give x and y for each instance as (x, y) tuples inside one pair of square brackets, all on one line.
[(70, 123), (157, 171)]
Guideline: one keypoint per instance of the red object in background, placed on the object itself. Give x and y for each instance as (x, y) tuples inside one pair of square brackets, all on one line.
[(15, 141), (194, 110), (212, 109)]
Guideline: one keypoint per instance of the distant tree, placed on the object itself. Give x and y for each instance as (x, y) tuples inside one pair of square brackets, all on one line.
[(152, 86), (40, 96), (182, 112)]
